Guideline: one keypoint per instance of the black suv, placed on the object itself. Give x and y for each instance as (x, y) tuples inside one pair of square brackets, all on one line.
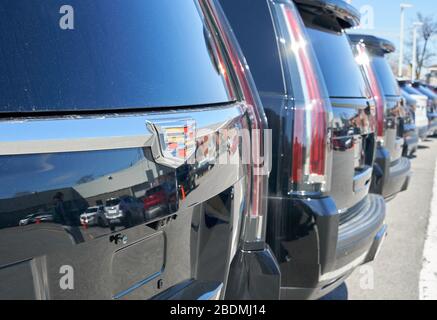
[(392, 169), (371, 53), (110, 99), (322, 221)]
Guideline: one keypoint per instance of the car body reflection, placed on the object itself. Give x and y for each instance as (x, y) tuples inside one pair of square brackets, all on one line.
[(94, 216), (108, 196), (36, 218)]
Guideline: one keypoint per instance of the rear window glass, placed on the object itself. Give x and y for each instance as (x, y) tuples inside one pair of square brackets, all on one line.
[(104, 54), (385, 76), (341, 72)]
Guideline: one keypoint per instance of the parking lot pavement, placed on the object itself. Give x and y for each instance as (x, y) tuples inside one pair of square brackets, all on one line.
[(397, 270)]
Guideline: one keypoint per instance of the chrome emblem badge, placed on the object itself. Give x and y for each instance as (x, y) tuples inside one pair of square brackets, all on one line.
[(177, 140)]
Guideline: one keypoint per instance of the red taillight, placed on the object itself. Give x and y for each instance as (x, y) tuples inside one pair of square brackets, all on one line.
[(311, 150), (364, 60), (257, 119)]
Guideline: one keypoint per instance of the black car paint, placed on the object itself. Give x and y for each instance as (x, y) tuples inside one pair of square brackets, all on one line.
[(392, 169), (304, 231), (189, 250)]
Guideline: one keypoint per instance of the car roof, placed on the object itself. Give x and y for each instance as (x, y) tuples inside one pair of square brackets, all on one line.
[(341, 11), (373, 42)]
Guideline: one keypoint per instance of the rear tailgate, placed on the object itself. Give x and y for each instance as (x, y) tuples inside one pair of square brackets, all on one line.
[(44, 167), (353, 130), (173, 125)]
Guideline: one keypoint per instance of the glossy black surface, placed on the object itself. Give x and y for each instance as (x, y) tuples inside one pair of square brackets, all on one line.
[(385, 75), (97, 206), (337, 62), (393, 131), (353, 112), (120, 55), (253, 276), (342, 14), (186, 232), (303, 231), (391, 170)]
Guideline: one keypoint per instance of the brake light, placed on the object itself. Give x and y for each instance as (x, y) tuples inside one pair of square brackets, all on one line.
[(364, 61), (311, 145), (258, 167)]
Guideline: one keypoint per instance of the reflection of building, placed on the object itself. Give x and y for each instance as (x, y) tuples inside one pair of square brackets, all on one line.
[(14, 209), (133, 181)]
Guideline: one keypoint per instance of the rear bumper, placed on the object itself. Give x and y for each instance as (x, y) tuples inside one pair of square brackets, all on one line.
[(358, 239), (322, 247), (253, 275), (390, 178)]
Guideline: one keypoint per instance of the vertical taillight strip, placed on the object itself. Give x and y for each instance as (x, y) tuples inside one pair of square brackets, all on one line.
[(258, 167), (311, 149)]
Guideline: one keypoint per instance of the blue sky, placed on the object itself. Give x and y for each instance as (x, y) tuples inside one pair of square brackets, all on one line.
[(387, 17)]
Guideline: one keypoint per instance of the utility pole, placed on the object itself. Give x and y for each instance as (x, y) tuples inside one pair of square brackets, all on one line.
[(401, 45), (414, 62)]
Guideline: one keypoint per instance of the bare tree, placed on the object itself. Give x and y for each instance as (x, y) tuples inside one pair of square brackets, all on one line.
[(425, 34)]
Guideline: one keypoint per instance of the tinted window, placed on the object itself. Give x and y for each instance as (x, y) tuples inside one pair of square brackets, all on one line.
[(261, 51), (120, 54), (341, 72), (385, 75)]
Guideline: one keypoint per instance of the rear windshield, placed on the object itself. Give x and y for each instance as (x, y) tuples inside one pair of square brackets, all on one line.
[(91, 210), (385, 75), (341, 72), (104, 54)]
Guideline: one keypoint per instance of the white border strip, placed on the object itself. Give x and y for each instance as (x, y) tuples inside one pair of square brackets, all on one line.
[(428, 275)]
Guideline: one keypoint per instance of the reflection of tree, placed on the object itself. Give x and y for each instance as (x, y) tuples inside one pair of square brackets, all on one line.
[(425, 54), (85, 179)]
